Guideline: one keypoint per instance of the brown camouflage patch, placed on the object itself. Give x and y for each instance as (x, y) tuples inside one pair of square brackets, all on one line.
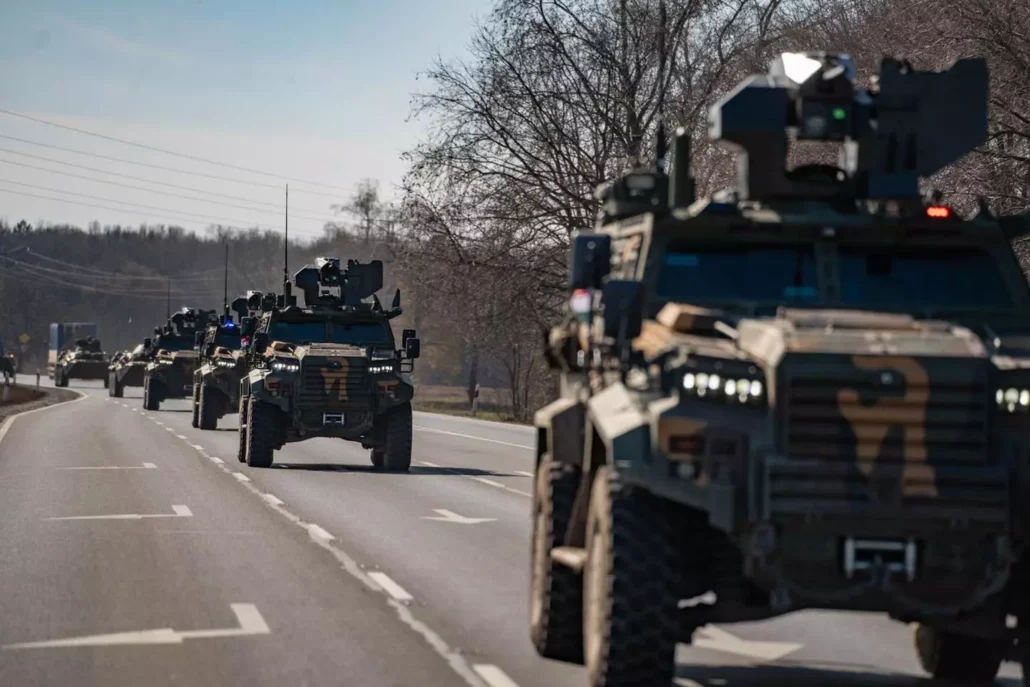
[(871, 424), (336, 378)]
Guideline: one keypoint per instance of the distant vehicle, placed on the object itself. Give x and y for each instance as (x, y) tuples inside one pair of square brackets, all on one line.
[(86, 360), (128, 368), (169, 372), (62, 334), (330, 369), (216, 382), (810, 391)]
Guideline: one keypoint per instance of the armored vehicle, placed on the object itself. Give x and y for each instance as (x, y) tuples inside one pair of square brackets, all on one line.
[(169, 371), (216, 382), (811, 391), (330, 369), (85, 360), (127, 368)]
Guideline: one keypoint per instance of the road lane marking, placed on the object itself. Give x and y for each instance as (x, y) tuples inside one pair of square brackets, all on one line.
[(272, 499), (318, 533), (492, 483), (169, 429), (198, 447), (716, 639), (180, 436), (494, 676), (470, 436), (392, 588), (145, 466), (241, 477), (248, 618), (432, 465), (523, 473), (160, 423), (449, 516), (178, 512), (216, 460)]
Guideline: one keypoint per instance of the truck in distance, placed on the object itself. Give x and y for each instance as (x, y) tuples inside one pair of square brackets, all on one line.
[(169, 371), (216, 382), (330, 369), (84, 360), (128, 368), (61, 334)]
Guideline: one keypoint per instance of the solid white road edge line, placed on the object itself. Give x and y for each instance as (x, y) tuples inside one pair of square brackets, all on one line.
[(494, 676), (145, 466), (178, 512), (392, 588), (472, 436), (5, 426)]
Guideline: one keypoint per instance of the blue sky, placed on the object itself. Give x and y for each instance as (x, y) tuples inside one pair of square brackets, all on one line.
[(316, 90)]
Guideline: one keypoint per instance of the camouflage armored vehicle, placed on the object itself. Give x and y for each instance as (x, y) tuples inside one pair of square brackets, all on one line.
[(216, 382), (127, 368), (812, 391), (169, 372), (85, 360), (330, 369)]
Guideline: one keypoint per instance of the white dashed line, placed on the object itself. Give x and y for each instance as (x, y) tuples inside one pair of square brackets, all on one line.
[(241, 477), (215, 459), (426, 462), (272, 499), (198, 447), (159, 423), (392, 588), (523, 473), (180, 436), (470, 436), (492, 483), (494, 676), (169, 429), (318, 533)]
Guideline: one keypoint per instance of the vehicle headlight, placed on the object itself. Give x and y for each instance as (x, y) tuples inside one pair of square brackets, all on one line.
[(164, 362), (226, 363), (729, 389), (381, 369), (1013, 399), (285, 366)]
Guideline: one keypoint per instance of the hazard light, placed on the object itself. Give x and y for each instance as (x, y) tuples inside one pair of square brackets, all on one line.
[(938, 212)]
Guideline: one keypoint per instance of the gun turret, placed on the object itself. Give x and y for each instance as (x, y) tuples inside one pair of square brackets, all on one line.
[(909, 124), (326, 284)]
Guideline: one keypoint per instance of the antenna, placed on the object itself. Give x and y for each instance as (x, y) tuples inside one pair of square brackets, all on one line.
[(287, 286), (168, 299), (225, 283)]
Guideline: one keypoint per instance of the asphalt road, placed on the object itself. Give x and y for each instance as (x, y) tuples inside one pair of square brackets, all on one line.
[(318, 571)]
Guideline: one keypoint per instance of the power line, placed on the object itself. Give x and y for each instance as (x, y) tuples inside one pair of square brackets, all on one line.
[(113, 277), (92, 271), (214, 220), (162, 167), (31, 277), (149, 181), (149, 190), (166, 218), (166, 152)]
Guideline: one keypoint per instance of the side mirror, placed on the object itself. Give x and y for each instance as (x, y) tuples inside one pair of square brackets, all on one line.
[(589, 260), (412, 348), (396, 300), (209, 350), (260, 342), (623, 302), (147, 343), (405, 335)]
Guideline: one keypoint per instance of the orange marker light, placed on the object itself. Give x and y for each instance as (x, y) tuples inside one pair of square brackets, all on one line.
[(938, 212)]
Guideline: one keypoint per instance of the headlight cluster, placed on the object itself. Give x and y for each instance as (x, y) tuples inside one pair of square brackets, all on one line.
[(164, 362), (285, 366), (225, 363), (738, 390), (1013, 399), (381, 369)]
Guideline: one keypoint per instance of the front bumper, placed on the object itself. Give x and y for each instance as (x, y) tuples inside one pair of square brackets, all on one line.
[(86, 369)]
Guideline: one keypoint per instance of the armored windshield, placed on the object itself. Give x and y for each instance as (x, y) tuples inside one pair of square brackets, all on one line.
[(750, 272), (175, 343), (921, 277), (228, 338), (321, 331)]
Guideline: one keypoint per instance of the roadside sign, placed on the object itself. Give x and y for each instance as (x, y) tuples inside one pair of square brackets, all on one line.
[(24, 338)]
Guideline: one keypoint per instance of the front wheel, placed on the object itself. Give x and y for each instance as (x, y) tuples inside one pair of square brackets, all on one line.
[(195, 420), (241, 452), (208, 407), (631, 586), (261, 434), (150, 395), (397, 452), (959, 658), (377, 458)]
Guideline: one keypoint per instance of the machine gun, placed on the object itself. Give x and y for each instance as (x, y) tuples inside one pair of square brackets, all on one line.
[(326, 285)]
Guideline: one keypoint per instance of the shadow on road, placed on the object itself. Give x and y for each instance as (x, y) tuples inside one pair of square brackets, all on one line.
[(823, 675), (176, 410), (415, 470)]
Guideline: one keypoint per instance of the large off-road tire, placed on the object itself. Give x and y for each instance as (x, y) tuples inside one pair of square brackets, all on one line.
[(150, 395), (262, 427), (209, 402), (109, 384), (958, 658), (378, 458), (117, 388), (195, 420), (241, 452), (555, 591), (397, 451), (59, 379), (632, 585)]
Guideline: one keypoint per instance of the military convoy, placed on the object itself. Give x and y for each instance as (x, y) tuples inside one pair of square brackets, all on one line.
[(169, 371), (784, 396), (85, 360), (329, 369), (127, 368)]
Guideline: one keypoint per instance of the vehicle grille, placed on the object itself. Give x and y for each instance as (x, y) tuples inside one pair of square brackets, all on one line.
[(854, 443), (345, 388)]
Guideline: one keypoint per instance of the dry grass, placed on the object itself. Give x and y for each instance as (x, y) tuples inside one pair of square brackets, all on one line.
[(452, 400)]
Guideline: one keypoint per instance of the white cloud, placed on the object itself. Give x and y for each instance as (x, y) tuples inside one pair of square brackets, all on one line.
[(111, 42)]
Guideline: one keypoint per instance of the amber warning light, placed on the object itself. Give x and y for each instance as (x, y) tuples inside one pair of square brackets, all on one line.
[(938, 212)]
